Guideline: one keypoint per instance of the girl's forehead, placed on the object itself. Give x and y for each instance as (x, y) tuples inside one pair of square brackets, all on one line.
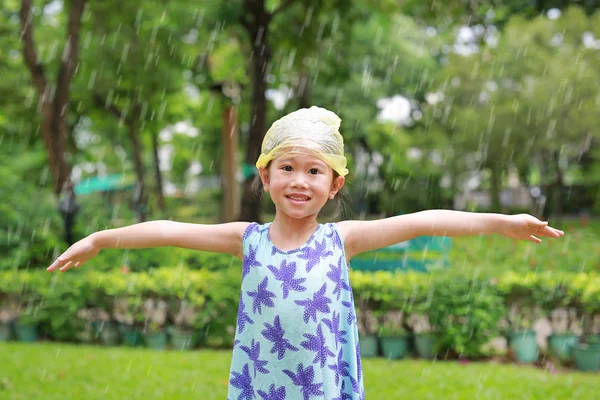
[(300, 158)]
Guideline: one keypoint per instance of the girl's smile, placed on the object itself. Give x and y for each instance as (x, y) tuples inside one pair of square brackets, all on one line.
[(300, 185), (298, 198)]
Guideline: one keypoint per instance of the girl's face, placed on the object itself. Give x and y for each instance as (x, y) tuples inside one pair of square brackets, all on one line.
[(300, 185)]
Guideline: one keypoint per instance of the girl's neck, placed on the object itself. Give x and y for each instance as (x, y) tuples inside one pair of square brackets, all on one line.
[(292, 232)]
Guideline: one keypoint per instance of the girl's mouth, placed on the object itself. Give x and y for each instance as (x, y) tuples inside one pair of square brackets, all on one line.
[(298, 198)]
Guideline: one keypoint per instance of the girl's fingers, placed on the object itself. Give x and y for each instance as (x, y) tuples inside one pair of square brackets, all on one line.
[(551, 232), (56, 264), (67, 266), (535, 239)]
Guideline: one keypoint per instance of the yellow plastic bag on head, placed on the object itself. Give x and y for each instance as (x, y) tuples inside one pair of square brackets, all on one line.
[(313, 131)]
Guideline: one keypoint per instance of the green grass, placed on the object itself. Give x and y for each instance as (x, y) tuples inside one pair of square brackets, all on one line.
[(62, 371), (577, 251)]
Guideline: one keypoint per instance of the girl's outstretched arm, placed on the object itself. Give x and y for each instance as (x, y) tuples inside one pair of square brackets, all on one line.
[(361, 236), (219, 238)]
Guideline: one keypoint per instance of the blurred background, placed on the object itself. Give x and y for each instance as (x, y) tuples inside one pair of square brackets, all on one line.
[(157, 109), (118, 112)]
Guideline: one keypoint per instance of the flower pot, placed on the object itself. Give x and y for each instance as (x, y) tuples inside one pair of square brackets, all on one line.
[(561, 345), (411, 348), (97, 327), (133, 338), (181, 339), (26, 332), (368, 346), (109, 334), (586, 356), (593, 340), (5, 331), (524, 345), (394, 347), (156, 340), (424, 344)]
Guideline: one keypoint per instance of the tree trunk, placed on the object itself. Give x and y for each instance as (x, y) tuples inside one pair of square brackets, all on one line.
[(524, 173), (159, 190), (303, 89), (54, 110), (229, 184), (257, 28), (557, 204), (496, 186), (139, 195)]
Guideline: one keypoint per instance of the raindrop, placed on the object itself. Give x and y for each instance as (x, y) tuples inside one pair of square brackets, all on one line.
[(92, 80), (335, 24), (87, 40), (320, 31), (138, 20)]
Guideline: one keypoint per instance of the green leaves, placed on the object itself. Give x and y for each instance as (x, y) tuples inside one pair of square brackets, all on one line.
[(465, 312), (468, 311)]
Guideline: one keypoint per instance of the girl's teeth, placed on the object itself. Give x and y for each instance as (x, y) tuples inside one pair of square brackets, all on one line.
[(298, 198)]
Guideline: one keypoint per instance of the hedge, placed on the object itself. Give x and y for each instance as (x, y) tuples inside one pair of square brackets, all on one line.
[(465, 311)]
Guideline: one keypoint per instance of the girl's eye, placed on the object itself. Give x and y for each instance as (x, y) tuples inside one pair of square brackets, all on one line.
[(287, 168), (313, 171)]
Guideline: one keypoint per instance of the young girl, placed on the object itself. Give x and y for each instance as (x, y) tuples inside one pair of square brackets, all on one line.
[(296, 334)]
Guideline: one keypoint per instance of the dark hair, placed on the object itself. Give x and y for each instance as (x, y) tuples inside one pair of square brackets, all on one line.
[(256, 187), (341, 202)]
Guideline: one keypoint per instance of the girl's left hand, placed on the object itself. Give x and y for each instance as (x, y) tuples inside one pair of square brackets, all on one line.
[(528, 227)]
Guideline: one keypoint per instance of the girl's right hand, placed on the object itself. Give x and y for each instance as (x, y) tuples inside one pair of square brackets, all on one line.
[(75, 255)]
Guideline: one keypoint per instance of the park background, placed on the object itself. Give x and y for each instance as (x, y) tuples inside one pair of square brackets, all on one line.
[(156, 110)]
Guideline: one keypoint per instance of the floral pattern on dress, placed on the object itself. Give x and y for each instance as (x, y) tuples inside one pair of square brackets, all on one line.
[(296, 335)]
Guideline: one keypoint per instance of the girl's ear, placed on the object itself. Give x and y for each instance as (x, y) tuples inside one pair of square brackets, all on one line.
[(336, 186), (264, 177)]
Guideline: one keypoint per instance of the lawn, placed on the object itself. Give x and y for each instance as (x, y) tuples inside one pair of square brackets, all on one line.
[(63, 371), (577, 251)]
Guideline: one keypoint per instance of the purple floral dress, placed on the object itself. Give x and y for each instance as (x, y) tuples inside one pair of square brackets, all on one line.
[(296, 334)]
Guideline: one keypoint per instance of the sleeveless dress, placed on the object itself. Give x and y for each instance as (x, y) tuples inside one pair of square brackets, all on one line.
[(296, 333)]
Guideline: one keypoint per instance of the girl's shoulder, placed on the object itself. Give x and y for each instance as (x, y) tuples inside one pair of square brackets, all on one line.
[(255, 230), (343, 228)]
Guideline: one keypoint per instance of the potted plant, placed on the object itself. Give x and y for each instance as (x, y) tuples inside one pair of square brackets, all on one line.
[(424, 334), (26, 325), (182, 332), (559, 303), (586, 352), (393, 335), (155, 312), (521, 336), (523, 294), (98, 325), (129, 313), (9, 310), (564, 335), (366, 320)]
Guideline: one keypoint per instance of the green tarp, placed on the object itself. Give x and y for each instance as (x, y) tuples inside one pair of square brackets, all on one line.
[(103, 184)]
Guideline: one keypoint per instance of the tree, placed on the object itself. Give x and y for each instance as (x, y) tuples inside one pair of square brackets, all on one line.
[(53, 95), (259, 20), (135, 83), (505, 108)]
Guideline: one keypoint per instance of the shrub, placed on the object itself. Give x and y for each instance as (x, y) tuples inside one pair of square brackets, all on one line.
[(464, 311)]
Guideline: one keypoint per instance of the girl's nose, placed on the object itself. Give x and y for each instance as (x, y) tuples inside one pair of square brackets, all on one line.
[(299, 181)]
